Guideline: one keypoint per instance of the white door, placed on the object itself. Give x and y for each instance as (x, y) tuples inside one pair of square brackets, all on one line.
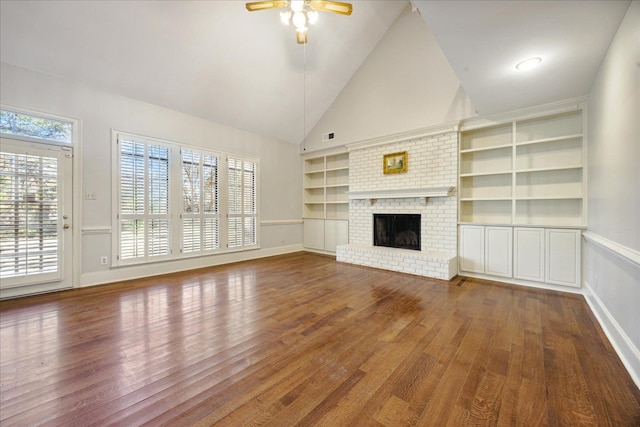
[(472, 248), (528, 259), (335, 233), (563, 257), (314, 233), (499, 251), (35, 218)]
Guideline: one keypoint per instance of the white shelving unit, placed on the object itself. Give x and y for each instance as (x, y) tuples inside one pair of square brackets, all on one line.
[(326, 183), (523, 178), (326, 203), (524, 172)]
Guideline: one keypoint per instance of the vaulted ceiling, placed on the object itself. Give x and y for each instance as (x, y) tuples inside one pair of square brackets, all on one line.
[(215, 60)]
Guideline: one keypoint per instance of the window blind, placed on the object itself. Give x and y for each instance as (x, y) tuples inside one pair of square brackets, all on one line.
[(242, 203), (200, 214), (169, 201), (144, 200)]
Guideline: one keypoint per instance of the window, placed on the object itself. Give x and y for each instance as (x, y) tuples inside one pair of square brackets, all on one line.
[(242, 203), (171, 200), (200, 216), (144, 200), (27, 125)]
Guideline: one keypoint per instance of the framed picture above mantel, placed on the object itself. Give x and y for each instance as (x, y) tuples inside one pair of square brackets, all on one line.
[(395, 163)]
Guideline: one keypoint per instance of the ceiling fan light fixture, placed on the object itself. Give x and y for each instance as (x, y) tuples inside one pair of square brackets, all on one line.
[(301, 12), (299, 19), (297, 5), (285, 17), (528, 63), (301, 35), (312, 16)]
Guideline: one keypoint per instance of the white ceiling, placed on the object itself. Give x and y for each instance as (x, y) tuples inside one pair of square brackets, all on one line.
[(484, 40), (213, 59)]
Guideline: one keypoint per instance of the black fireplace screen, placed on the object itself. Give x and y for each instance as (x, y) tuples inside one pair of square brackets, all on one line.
[(397, 231)]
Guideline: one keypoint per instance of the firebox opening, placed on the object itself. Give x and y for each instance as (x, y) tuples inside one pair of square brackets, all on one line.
[(397, 231)]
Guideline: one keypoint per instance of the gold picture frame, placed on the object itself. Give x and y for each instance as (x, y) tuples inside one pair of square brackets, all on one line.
[(395, 163)]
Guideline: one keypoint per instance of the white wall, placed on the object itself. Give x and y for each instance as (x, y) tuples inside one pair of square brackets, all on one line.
[(614, 192), (406, 83), (100, 112)]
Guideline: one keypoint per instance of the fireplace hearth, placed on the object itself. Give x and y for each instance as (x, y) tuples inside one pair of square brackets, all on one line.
[(397, 231)]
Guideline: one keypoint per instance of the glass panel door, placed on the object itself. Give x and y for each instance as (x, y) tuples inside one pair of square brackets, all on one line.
[(35, 209)]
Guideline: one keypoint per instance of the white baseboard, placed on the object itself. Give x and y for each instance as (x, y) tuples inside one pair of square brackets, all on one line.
[(626, 350), (524, 283), (139, 271)]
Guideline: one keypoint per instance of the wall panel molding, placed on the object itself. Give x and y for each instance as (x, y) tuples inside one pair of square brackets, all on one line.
[(627, 254)]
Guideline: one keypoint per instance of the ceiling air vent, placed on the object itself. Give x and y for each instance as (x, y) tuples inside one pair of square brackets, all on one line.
[(328, 136)]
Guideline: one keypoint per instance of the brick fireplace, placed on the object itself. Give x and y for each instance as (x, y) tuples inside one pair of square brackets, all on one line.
[(427, 189)]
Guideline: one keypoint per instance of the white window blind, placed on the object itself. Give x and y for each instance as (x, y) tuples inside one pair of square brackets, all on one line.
[(200, 206), (175, 201), (144, 199), (242, 203)]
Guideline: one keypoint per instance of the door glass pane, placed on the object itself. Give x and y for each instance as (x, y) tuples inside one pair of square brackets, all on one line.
[(28, 215)]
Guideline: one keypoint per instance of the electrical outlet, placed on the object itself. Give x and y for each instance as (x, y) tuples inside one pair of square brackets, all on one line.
[(90, 195), (104, 260)]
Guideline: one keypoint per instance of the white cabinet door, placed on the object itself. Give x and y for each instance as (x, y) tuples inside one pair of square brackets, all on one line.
[(528, 254), (563, 257), (335, 233), (499, 251), (314, 233), (472, 248)]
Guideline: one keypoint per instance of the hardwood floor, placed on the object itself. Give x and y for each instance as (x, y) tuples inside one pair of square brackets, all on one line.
[(302, 340)]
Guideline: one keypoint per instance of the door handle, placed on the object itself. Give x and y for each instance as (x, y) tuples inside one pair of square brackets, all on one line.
[(66, 226)]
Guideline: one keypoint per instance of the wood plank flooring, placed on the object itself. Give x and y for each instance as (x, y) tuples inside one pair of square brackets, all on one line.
[(300, 339)]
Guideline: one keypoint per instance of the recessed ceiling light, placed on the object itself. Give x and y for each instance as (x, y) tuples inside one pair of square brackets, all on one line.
[(528, 63)]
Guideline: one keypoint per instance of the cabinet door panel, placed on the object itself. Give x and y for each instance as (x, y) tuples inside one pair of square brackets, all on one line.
[(563, 257), (499, 251), (314, 233), (335, 233), (472, 248), (529, 254)]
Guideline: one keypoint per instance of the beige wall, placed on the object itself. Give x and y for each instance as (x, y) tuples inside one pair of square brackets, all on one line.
[(613, 234), (100, 112), (406, 83)]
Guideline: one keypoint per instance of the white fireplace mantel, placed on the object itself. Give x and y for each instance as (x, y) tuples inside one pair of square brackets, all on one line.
[(373, 195)]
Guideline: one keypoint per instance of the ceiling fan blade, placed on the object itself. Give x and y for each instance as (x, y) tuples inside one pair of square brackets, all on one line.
[(263, 5), (332, 6)]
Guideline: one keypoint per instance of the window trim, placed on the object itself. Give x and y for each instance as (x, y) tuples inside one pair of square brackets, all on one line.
[(175, 201)]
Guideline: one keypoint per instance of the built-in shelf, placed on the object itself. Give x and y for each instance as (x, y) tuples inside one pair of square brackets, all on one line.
[(325, 185), (325, 203), (555, 168), (550, 198), (495, 147), (553, 139), (527, 171), (373, 195), (472, 199), (467, 175)]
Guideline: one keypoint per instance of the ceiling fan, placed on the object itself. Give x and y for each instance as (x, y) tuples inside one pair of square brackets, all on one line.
[(301, 12)]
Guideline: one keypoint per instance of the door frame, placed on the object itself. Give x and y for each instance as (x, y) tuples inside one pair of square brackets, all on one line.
[(76, 189)]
